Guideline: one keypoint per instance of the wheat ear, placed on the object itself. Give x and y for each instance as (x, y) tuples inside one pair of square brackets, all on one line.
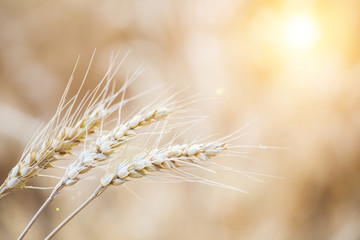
[(59, 136), (171, 158), (100, 152), (41, 157)]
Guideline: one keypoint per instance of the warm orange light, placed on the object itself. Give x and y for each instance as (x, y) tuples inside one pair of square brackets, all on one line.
[(300, 33)]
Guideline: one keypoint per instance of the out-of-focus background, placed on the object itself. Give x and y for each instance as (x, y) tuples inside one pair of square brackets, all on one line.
[(293, 65)]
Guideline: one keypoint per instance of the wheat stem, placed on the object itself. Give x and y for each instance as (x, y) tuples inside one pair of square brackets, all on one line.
[(97, 193), (52, 196)]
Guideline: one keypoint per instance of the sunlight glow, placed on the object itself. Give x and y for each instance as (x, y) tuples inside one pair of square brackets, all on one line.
[(300, 33)]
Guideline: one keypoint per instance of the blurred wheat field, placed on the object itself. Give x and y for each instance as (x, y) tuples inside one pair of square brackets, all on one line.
[(293, 65)]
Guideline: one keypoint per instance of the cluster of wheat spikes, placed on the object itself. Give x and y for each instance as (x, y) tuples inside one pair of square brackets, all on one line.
[(83, 127)]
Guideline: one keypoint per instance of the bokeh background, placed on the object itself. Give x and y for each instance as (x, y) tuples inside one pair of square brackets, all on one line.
[(292, 65)]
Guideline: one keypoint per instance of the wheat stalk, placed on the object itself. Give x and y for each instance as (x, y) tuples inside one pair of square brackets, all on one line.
[(68, 129), (171, 158), (101, 151)]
